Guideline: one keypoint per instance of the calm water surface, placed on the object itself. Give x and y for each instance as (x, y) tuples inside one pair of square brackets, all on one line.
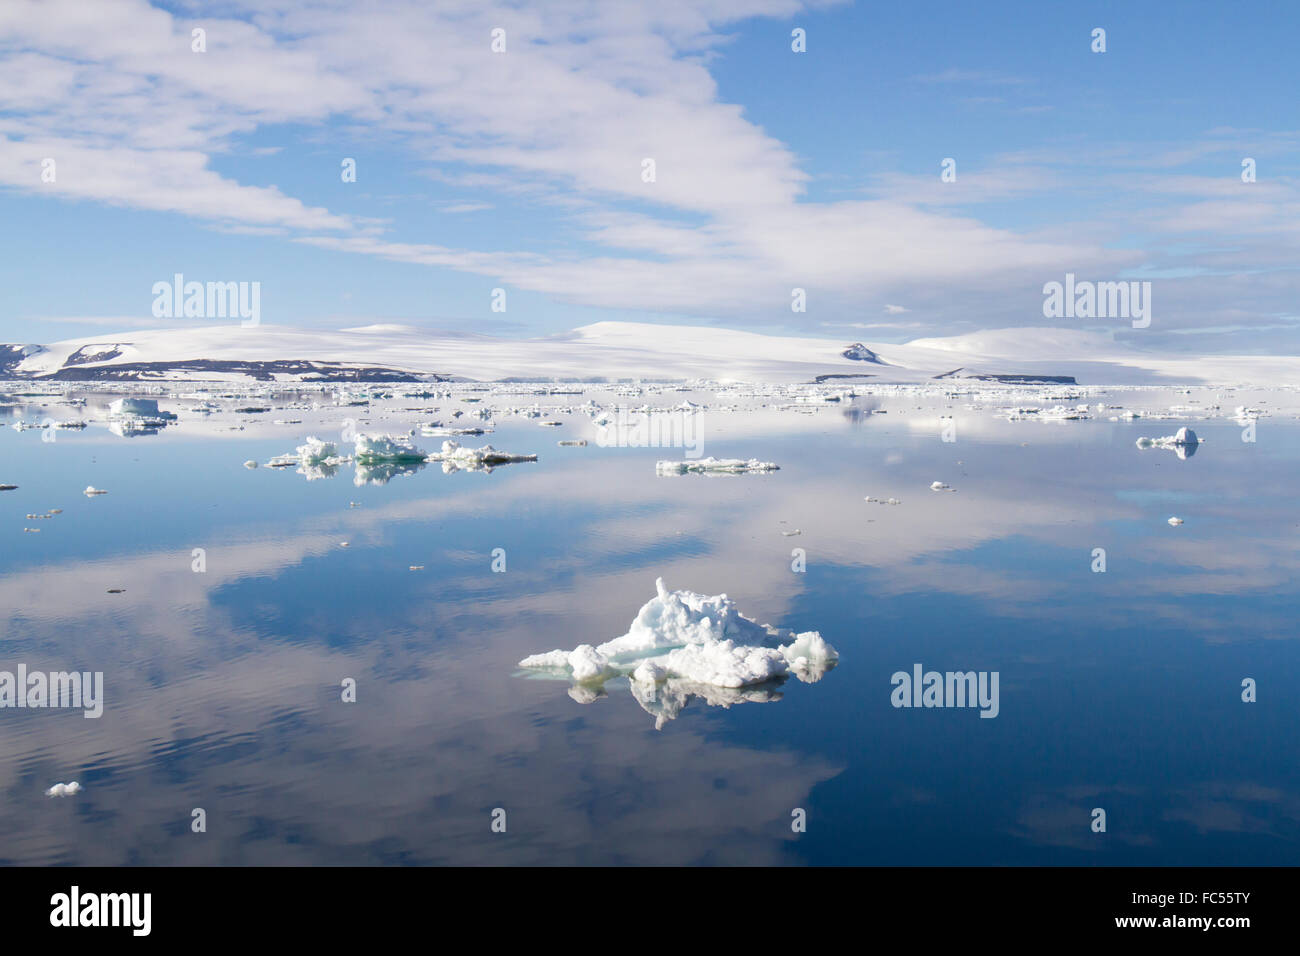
[(1119, 690)]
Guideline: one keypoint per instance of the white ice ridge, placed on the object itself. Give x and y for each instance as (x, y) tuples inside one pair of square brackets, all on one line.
[(715, 466), (694, 637)]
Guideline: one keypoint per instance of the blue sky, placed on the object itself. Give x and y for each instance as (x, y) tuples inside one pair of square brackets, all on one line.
[(774, 169)]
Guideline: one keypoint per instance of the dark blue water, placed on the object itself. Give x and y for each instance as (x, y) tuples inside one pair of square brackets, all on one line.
[(1118, 690)]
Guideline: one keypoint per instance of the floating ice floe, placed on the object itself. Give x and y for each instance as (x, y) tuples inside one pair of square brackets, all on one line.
[(1184, 442), (316, 450), (681, 634), (684, 645), (882, 501), (573, 443), (1175, 521), (91, 490), (63, 789), (372, 448), (941, 486), (454, 457), (316, 459), (8, 487), (138, 408), (438, 431), (715, 466), (250, 464)]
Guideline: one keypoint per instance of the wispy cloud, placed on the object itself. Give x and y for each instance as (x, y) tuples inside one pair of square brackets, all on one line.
[(564, 122)]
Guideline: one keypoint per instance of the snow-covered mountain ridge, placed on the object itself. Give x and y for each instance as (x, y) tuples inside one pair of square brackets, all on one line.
[(612, 351)]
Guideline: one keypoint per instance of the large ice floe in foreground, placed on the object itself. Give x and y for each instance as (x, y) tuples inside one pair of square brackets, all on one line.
[(683, 645), (715, 466)]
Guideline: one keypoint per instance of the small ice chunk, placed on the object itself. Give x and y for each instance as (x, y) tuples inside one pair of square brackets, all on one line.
[(1175, 521), (63, 789), (250, 464), (91, 490), (809, 656), (715, 466), (648, 672), (940, 486), (316, 451), (584, 662), (811, 646), (587, 663)]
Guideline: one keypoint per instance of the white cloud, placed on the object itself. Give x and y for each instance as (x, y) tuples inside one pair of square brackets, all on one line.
[(563, 120)]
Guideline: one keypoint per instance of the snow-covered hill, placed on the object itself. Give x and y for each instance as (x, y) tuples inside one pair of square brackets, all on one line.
[(608, 351)]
